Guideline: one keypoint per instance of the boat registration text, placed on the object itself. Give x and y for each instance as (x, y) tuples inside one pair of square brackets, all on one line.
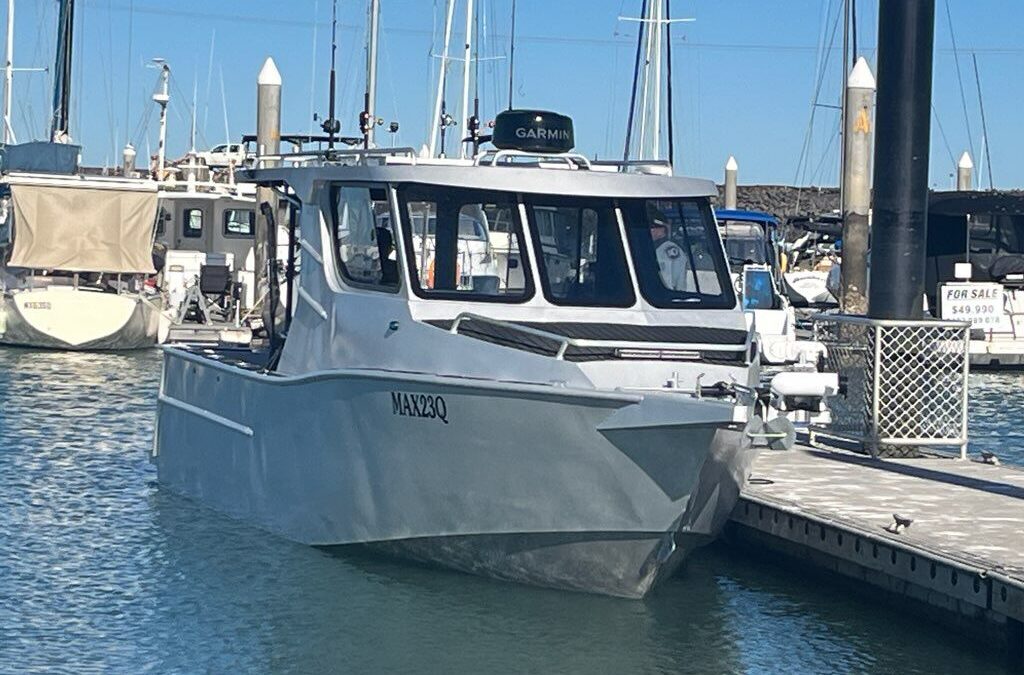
[(426, 406)]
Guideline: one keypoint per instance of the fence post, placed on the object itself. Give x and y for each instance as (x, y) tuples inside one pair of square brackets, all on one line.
[(966, 398)]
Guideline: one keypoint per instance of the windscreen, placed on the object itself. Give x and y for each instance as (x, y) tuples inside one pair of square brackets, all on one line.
[(745, 244), (578, 247), (677, 253)]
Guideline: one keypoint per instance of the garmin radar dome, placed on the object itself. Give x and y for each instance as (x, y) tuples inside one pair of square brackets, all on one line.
[(533, 131)]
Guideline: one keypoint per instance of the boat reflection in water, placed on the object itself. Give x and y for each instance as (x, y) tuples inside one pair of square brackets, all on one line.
[(577, 423)]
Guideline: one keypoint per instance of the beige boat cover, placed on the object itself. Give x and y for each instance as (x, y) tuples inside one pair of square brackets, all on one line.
[(81, 229)]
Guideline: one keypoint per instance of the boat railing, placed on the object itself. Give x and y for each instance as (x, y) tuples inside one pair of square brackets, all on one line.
[(361, 155), (494, 157), (674, 349)]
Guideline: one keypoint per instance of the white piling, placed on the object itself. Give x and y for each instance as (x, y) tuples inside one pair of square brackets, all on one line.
[(965, 172), (268, 142), (731, 171), (857, 139)]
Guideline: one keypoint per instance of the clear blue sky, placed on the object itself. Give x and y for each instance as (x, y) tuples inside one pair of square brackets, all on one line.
[(744, 76)]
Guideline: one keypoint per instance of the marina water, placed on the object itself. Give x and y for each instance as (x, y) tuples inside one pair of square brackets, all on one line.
[(102, 571)]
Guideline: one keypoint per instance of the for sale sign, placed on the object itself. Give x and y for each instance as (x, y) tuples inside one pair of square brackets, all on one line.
[(981, 304)]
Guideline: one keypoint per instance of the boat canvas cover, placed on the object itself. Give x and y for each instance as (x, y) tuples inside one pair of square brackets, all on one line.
[(80, 229)]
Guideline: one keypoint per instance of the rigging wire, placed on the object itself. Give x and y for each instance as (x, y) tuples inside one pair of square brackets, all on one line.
[(984, 126), (802, 164), (942, 133), (209, 82), (636, 80), (853, 25), (960, 81)]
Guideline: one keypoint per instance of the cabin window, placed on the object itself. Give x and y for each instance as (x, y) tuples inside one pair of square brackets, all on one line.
[(677, 253), (578, 248), (239, 222), (464, 244), (996, 233), (161, 222), (363, 236), (192, 223)]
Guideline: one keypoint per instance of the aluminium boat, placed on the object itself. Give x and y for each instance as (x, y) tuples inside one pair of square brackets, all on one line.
[(573, 417)]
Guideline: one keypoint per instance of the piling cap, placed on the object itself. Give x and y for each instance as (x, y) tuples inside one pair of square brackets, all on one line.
[(861, 76), (269, 74), (965, 161), (731, 165)]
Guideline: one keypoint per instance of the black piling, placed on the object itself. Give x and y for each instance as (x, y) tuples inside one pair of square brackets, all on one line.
[(906, 30)]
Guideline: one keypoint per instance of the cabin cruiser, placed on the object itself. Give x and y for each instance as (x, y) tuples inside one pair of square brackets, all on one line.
[(975, 271), (205, 236), (580, 425), (809, 247), (76, 260), (751, 241)]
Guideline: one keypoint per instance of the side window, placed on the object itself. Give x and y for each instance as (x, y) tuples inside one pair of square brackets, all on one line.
[(363, 236), (192, 223), (239, 222), (456, 247)]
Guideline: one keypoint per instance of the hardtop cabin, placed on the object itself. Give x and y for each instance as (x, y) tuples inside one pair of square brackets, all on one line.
[(537, 256)]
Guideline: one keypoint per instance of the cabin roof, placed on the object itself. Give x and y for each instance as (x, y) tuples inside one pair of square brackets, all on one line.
[(524, 179), (959, 203), (746, 216)]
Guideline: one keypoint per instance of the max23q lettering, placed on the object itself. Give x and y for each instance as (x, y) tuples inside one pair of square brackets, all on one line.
[(419, 405)]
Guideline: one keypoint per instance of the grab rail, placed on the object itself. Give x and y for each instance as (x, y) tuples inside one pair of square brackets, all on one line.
[(566, 342), (572, 159)]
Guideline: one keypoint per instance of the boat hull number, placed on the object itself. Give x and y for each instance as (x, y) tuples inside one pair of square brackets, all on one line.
[(425, 406)]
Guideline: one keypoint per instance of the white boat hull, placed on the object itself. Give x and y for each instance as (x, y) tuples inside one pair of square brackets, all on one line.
[(567, 488), (808, 288), (61, 317)]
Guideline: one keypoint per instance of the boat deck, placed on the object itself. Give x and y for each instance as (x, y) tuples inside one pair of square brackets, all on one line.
[(834, 510)]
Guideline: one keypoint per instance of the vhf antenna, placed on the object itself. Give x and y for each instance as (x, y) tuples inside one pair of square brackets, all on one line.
[(331, 126), (474, 121), (512, 55)]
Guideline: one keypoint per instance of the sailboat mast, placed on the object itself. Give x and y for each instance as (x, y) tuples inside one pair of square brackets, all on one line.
[(656, 125), (62, 72), (436, 123), (645, 105), (369, 117), (9, 75), (466, 72)]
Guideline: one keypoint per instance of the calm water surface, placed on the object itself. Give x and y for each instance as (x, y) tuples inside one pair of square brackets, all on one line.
[(101, 571)]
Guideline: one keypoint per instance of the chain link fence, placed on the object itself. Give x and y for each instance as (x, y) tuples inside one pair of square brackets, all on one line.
[(903, 384)]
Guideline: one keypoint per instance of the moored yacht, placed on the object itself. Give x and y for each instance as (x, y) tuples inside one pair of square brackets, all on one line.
[(75, 256), (752, 243), (577, 423)]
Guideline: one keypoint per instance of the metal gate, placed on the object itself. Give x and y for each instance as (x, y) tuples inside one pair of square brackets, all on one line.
[(903, 384)]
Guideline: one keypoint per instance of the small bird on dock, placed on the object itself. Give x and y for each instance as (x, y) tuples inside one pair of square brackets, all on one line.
[(898, 523), (989, 457)]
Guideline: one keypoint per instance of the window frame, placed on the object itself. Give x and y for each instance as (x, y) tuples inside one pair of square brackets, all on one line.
[(531, 201), (422, 192), (331, 213), (729, 299), (235, 235), (186, 230)]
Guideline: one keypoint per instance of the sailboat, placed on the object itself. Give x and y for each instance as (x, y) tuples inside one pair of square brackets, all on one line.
[(75, 249)]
